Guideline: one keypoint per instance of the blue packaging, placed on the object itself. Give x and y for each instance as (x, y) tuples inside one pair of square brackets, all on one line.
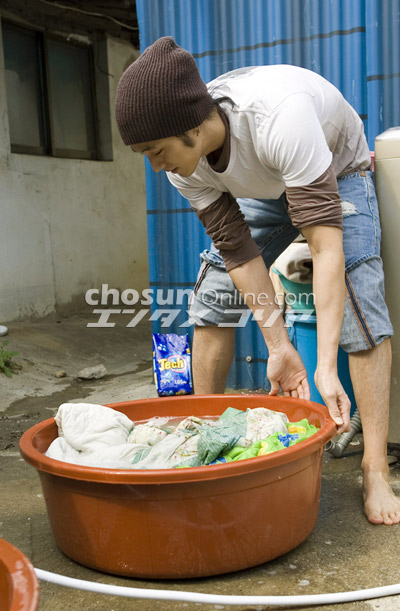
[(172, 364)]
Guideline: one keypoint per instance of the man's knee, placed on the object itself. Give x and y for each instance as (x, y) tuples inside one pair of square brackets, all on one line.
[(213, 340), (212, 357)]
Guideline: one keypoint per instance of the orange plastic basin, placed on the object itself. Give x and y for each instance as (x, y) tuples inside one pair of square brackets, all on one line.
[(19, 588), (192, 522)]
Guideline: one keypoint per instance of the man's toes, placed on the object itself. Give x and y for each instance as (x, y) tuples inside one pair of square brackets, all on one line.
[(374, 518)]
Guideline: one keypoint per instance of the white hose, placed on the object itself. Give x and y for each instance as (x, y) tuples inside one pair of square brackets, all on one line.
[(221, 599)]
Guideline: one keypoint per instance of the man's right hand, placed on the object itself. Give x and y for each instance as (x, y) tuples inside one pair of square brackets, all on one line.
[(286, 370)]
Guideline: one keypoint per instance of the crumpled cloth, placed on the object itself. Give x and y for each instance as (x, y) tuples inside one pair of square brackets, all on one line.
[(295, 263), (89, 427), (99, 436), (262, 422), (294, 433)]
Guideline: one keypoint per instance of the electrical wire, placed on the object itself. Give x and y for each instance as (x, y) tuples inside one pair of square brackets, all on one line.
[(79, 10)]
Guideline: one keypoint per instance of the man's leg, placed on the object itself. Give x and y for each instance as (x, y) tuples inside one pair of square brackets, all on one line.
[(370, 375), (366, 336), (212, 357)]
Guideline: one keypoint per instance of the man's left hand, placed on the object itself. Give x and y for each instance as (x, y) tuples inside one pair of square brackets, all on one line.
[(335, 398)]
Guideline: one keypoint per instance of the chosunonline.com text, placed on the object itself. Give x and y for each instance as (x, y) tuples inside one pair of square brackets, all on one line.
[(116, 306)]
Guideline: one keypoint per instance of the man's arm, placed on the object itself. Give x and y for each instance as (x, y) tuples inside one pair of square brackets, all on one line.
[(316, 210), (285, 368), (326, 246), (230, 233)]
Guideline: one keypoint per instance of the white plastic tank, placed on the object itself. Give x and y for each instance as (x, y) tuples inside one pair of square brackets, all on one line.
[(387, 177)]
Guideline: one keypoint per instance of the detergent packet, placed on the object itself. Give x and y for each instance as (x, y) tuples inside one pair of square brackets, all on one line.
[(172, 364)]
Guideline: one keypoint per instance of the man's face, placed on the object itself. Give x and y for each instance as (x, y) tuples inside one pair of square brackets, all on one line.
[(172, 154)]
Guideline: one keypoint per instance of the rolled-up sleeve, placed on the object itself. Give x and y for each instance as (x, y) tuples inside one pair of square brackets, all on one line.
[(222, 218), (318, 203), (225, 224)]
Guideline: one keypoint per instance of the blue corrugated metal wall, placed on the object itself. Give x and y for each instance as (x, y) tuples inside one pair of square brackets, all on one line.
[(354, 44)]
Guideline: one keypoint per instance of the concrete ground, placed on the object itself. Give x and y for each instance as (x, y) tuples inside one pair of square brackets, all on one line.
[(343, 553)]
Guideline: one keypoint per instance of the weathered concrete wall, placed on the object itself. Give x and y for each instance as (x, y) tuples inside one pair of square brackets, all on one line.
[(67, 225)]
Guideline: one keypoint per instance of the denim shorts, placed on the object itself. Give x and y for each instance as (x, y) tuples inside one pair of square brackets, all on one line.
[(366, 322)]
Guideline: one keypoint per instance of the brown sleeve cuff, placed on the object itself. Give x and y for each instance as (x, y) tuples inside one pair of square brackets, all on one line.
[(224, 223), (316, 204)]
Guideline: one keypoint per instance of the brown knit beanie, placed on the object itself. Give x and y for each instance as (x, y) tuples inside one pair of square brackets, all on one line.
[(161, 94)]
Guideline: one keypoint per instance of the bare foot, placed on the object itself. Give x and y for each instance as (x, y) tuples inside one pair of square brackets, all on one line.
[(381, 506)]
